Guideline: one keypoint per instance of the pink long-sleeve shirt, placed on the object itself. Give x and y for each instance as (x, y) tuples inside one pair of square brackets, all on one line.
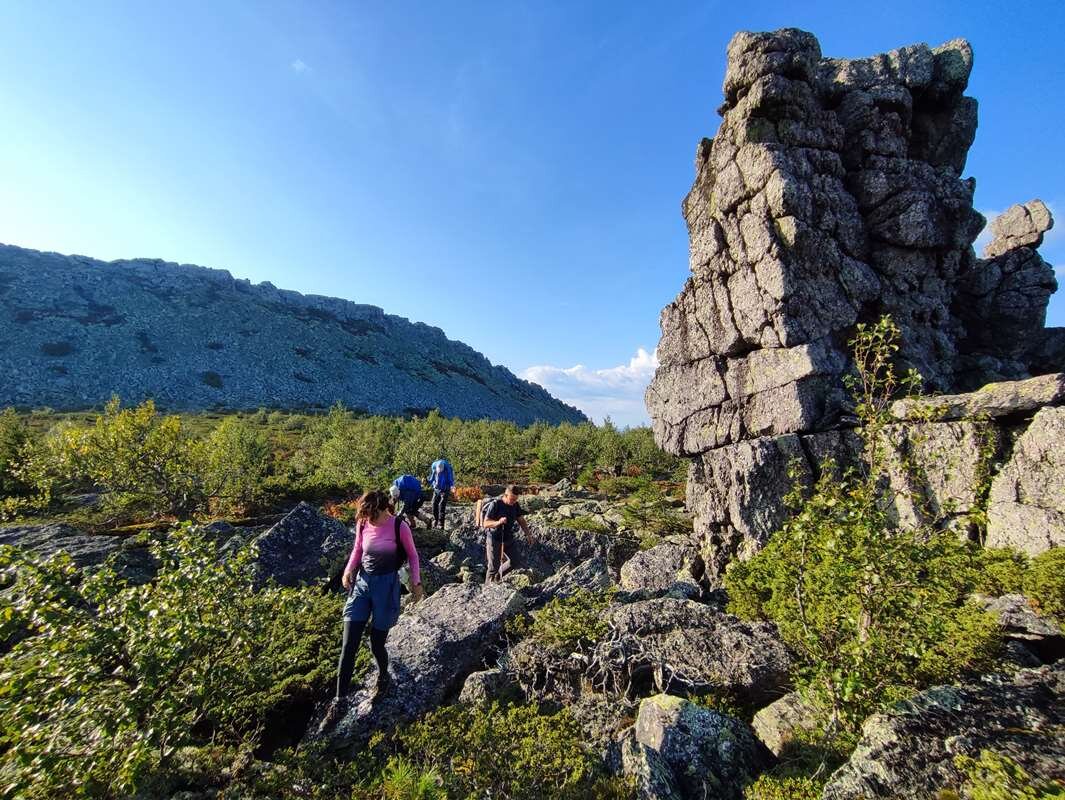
[(377, 543)]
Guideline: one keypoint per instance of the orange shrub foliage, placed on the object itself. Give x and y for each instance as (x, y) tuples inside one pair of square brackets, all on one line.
[(467, 494), (345, 512)]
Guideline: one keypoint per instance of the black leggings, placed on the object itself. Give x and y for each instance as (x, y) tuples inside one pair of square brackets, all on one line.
[(350, 648), (439, 505)]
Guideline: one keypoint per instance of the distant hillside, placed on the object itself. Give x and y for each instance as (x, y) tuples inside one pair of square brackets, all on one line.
[(75, 330)]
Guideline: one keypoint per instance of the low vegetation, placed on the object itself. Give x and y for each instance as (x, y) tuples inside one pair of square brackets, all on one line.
[(874, 611), (138, 464)]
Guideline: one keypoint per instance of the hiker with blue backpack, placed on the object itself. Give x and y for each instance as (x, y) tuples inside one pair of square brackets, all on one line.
[(442, 479), (406, 492)]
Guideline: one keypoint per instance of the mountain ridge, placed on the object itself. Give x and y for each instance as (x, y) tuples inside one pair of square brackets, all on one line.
[(74, 330)]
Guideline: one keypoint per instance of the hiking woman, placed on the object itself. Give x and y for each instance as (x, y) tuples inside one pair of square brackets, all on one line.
[(382, 543)]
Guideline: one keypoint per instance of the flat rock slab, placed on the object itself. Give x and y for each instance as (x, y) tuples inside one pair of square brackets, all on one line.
[(303, 547), (995, 400), (87, 550), (909, 751), (432, 650)]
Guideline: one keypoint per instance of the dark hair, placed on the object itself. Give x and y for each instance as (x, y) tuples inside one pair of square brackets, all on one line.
[(512, 489), (371, 504)]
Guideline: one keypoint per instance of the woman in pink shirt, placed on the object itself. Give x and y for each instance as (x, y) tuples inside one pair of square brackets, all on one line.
[(382, 543)]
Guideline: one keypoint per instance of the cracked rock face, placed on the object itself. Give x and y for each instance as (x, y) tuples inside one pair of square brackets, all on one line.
[(832, 194)]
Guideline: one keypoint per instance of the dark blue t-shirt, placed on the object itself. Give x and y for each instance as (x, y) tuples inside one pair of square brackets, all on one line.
[(499, 510)]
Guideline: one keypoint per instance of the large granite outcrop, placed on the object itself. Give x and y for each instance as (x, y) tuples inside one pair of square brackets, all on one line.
[(78, 330), (833, 194)]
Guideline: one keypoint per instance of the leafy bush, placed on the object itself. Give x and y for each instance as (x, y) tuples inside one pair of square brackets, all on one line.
[(237, 460), (999, 570), (515, 752), (872, 611), (585, 523), (467, 494), (13, 438), (115, 680), (566, 621), (1044, 583), (145, 464), (563, 450)]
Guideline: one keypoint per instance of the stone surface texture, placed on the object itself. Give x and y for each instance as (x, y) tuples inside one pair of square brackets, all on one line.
[(305, 546), (432, 650), (909, 751), (833, 193), (78, 330), (679, 749)]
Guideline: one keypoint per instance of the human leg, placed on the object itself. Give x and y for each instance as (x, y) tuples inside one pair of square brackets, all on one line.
[(348, 650)]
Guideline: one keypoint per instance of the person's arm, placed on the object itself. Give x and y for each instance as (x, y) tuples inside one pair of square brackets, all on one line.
[(495, 523), (524, 525), (354, 560), (406, 538)]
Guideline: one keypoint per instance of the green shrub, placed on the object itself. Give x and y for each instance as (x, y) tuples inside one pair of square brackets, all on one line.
[(999, 570), (996, 777), (585, 523), (872, 611), (116, 681), (651, 512), (622, 485), (566, 621), (774, 787), (1044, 583), (237, 460), (516, 752), (14, 437)]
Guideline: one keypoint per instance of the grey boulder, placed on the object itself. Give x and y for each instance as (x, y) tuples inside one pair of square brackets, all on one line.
[(304, 547), (668, 568), (680, 750), (909, 751), (432, 649), (1027, 504), (683, 646)]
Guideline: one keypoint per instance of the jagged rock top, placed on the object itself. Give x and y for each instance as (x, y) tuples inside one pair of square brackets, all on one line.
[(833, 194), (1021, 225), (74, 331)]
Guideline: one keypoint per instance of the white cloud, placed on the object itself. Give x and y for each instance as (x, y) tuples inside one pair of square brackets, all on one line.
[(615, 392), (299, 66)]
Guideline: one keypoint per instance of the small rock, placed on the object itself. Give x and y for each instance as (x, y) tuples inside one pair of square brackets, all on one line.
[(487, 685), (777, 724), (665, 568)]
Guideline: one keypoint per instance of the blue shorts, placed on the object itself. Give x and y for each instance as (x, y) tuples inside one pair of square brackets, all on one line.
[(376, 595)]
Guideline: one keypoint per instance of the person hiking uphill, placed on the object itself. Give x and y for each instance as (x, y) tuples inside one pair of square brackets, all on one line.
[(442, 479), (383, 542), (407, 489), (499, 517)]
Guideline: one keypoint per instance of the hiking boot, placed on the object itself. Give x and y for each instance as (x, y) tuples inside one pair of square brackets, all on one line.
[(336, 709)]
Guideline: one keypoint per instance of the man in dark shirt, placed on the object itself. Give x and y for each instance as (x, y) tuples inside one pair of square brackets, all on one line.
[(499, 522)]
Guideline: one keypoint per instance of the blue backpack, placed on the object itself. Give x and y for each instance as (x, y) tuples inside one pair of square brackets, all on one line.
[(447, 480), (410, 488)]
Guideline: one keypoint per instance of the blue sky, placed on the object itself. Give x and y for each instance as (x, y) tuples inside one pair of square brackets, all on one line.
[(510, 172)]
